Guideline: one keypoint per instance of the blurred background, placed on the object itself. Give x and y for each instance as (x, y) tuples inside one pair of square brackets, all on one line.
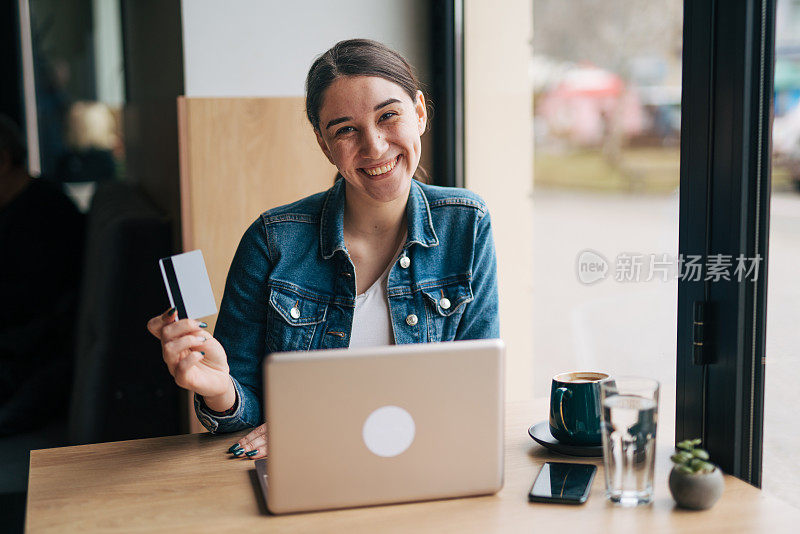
[(607, 115)]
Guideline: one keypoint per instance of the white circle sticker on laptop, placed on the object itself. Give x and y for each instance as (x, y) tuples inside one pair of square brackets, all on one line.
[(388, 431)]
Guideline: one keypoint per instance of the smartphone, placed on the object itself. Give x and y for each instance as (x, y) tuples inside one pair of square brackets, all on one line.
[(564, 483)]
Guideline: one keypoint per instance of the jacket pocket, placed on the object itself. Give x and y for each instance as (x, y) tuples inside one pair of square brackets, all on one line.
[(446, 301), (293, 319)]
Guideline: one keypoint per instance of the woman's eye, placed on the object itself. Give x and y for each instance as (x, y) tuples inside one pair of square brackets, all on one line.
[(388, 115), (345, 130)]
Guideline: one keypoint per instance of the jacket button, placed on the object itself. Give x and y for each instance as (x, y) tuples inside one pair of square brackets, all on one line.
[(295, 312), (412, 320), (405, 261), (444, 303)]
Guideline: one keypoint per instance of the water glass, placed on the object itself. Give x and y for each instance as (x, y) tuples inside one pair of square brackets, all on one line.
[(629, 417)]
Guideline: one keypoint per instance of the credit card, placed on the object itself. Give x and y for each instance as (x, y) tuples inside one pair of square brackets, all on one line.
[(188, 286)]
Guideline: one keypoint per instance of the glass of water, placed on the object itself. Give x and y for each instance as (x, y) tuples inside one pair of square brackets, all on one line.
[(629, 417)]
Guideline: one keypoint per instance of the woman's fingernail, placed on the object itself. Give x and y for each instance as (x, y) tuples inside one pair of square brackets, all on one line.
[(203, 353), (170, 311), (201, 324), (251, 453), (234, 447), (238, 452)]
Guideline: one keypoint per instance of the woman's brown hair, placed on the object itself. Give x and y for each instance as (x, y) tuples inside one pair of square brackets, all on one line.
[(358, 57)]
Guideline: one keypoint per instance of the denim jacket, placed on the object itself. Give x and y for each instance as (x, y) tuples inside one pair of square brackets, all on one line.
[(291, 285)]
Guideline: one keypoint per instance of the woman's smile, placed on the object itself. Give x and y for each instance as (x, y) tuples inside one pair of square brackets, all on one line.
[(378, 172)]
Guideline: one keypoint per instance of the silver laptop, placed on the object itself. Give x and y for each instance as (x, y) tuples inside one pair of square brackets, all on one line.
[(368, 426)]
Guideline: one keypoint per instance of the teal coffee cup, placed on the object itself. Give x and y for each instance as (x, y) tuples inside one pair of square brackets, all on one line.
[(575, 407)]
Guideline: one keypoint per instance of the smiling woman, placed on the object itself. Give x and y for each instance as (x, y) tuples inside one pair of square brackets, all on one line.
[(380, 258), (377, 147)]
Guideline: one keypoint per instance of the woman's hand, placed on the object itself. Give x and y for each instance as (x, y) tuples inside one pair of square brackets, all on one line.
[(253, 446), (194, 358)]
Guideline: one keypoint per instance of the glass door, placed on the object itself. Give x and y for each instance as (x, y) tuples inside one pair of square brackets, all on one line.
[(607, 121), (781, 469)]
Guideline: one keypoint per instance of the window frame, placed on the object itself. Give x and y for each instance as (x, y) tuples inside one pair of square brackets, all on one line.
[(728, 66), (447, 55)]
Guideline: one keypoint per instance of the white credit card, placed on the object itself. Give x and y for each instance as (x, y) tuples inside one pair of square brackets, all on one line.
[(188, 286)]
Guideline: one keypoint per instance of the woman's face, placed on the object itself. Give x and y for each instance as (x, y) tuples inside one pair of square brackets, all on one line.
[(370, 129)]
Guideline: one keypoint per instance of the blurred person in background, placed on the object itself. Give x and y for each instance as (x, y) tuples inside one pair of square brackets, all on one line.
[(90, 141), (41, 250)]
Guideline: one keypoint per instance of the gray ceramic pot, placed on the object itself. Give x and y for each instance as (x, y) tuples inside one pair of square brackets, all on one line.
[(696, 491)]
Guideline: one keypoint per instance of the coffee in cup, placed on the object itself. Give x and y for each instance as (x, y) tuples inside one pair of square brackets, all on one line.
[(575, 407)]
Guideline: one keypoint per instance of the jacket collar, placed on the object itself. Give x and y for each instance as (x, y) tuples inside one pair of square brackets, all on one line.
[(331, 228), (420, 223)]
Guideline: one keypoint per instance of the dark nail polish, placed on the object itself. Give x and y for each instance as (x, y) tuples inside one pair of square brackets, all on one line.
[(251, 453), (234, 447), (203, 353), (170, 311), (238, 452), (201, 324)]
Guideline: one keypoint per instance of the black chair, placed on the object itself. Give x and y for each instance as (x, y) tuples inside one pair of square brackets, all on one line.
[(122, 389)]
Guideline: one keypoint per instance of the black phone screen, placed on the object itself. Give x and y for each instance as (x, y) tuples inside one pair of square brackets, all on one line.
[(563, 483)]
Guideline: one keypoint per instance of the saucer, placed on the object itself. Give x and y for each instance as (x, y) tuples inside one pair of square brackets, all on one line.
[(540, 432)]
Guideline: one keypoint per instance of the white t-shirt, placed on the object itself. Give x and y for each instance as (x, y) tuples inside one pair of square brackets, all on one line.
[(372, 322)]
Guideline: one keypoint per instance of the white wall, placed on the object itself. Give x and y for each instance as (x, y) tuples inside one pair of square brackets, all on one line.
[(265, 47), (499, 163)]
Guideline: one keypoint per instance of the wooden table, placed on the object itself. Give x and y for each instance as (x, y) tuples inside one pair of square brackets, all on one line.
[(189, 483)]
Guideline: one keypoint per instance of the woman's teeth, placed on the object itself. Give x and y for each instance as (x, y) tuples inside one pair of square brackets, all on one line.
[(377, 171)]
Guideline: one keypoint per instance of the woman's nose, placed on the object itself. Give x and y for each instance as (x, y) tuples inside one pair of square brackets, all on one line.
[(373, 143)]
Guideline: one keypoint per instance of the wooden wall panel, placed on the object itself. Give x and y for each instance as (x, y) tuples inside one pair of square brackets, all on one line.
[(240, 157)]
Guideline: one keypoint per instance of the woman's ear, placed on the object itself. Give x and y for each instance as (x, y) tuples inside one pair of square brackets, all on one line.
[(323, 146), (422, 112)]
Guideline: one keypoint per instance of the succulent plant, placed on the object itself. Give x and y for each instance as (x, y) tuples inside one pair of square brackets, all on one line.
[(691, 459)]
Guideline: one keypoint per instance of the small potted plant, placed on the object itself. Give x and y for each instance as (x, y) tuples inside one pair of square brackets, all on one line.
[(694, 482)]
